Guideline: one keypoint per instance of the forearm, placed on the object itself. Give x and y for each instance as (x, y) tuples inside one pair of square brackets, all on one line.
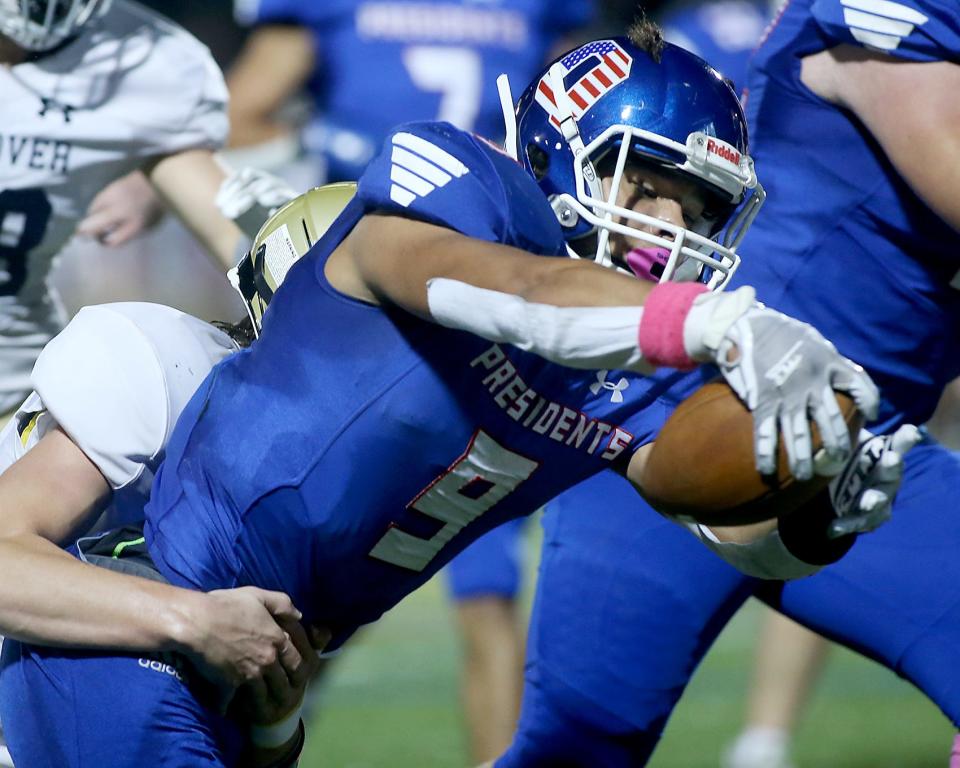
[(593, 338), (791, 547), (418, 252), (188, 183), (273, 66), (48, 597)]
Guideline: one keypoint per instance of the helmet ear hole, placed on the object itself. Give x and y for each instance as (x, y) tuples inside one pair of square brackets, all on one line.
[(539, 161)]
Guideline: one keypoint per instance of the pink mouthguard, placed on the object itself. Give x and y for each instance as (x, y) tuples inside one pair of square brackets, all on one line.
[(643, 260)]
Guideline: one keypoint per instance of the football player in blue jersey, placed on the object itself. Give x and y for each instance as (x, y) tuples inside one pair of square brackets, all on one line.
[(366, 66), (848, 109), (439, 295)]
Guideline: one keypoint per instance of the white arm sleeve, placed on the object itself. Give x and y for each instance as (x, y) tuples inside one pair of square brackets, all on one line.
[(118, 376), (578, 337), (764, 558)]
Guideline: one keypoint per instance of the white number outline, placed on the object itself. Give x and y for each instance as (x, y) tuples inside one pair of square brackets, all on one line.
[(455, 73), (443, 499)]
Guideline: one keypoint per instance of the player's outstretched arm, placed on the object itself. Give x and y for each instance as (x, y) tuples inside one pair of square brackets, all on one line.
[(585, 316), (188, 183), (389, 259), (910, 108), (51, 598)]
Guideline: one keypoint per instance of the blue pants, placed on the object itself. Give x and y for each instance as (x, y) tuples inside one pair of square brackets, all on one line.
[(490, 566), (628, 603), (64, 709)]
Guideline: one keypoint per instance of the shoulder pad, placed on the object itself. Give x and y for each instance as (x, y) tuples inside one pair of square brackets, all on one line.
[(116, 378), (919, 30), (440, 174)]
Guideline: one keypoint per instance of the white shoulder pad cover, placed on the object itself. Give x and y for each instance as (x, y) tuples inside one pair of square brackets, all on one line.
[(118, 376)]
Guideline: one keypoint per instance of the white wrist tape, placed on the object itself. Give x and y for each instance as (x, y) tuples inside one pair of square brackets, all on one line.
[(710, 318), (279, 733), (578, 337), (763, 558)]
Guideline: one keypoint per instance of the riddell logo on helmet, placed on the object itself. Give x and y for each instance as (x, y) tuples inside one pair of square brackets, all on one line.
[(725, 151)]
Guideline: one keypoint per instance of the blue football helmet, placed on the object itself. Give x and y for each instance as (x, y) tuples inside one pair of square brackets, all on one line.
[(39, 25), (609, 102)]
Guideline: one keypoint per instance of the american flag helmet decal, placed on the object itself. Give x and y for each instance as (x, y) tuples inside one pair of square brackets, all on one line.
[(596, 68)]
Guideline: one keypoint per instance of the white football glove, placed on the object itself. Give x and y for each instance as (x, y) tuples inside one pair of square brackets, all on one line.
[(863, 492), (250, 196), (784, 371)]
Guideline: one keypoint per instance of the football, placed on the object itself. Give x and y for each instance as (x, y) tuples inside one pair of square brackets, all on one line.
[(702, 463)]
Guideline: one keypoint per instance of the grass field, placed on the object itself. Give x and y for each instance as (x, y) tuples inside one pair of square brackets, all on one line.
[(390, 701)]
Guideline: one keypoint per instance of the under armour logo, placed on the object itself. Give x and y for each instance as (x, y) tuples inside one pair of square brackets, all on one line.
[(616, 390), (784, 368), (52, 105)]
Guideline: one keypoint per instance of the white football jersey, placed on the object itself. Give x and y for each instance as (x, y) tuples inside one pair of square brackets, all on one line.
[(115, 380), (131, 87)]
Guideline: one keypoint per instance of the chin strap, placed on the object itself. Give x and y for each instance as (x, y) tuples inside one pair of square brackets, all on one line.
[(509, 117), (584, 169)]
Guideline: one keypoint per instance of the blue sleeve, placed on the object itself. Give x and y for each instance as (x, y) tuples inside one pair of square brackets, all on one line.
[(918, 30), (445, 176)]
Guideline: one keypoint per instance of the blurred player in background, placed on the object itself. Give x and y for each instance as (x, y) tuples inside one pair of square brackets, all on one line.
[(332, 532), (365, 67), (849, 110), (93, 90), (368, 66), (723, 32)]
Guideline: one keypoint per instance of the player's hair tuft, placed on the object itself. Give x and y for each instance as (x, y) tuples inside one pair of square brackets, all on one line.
[(647, 35)]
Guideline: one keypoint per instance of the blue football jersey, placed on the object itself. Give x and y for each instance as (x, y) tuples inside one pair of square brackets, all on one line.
[(354, 449), (385, 62), (722, 32), (842, 241)]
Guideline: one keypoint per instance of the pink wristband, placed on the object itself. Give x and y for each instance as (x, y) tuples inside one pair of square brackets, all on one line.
[(661, 326)]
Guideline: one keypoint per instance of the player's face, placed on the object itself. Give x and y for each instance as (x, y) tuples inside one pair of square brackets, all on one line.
[(657, 193)]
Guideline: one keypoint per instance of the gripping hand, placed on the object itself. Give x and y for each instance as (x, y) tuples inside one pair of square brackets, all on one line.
[(784, 371)]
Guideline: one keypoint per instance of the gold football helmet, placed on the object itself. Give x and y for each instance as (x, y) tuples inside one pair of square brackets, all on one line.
[(286, 236)]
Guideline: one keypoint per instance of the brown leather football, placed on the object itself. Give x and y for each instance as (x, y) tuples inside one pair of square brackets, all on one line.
[(702, 463)]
